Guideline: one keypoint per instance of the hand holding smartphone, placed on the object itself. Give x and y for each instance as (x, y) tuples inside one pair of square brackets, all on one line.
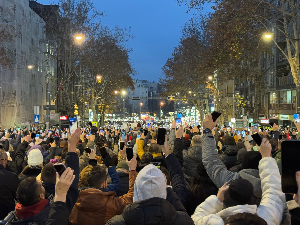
[(215, 115), (161, 135), (129, 153), (256, 137)]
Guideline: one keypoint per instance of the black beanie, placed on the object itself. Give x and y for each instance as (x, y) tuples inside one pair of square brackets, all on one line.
[(240, 192), (251, 160)]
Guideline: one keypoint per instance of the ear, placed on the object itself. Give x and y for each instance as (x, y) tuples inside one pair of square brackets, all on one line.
[(42, 196)]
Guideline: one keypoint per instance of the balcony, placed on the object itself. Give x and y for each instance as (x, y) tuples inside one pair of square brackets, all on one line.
[(285, 82)]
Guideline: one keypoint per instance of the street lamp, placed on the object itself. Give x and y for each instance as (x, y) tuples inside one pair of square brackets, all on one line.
[(190, 92), (160, 105), (99, 78), (30, 67), (116, 92), (141, 104), (123, 93), (78, 38), (210, 77)]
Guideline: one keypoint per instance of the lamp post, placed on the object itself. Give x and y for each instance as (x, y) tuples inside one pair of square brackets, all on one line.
[(160, 105), (141, 104), (123, 94)]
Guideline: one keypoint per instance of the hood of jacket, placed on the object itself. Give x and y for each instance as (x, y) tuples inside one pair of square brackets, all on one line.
[(149, 183), (150, 211), (230, 150), (40, 218), (252, 176), (49, 188), (225, 213)]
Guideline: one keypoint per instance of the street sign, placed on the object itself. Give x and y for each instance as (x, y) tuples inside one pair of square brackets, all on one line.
[(36, 118), (51, 107)]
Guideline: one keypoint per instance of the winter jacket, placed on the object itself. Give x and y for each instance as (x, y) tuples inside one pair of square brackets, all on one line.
[(219, 174), (30, 172), (271, 206), (229, 156), (178, 182), (39, 219), (84, 161), (124, 184), (20, 156), (58, 214), (140, 150), (191, 158), (8, 187), (153, 211), (96, 207)]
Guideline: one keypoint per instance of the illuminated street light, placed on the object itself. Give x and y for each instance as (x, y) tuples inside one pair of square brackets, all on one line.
[(210, 77), (79, 38), (268, 36), (141, 104), (161, 103), (116, 92), (99, 77), (30, 67), (123, 92), (190, 92)]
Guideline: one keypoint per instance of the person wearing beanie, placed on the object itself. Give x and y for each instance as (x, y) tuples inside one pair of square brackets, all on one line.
[(191, 158), (219, 174), (153, 203), (35, 164)]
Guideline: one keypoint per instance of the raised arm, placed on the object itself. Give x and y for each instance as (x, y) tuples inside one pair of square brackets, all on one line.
[(215, 168), (273, 199)]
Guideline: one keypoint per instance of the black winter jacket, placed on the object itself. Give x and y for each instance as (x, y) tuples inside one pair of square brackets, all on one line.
[(152, 211), (9, 183), (20, 156), (58, 214)]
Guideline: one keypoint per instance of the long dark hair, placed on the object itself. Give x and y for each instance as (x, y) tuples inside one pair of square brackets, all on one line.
[(201, 188)]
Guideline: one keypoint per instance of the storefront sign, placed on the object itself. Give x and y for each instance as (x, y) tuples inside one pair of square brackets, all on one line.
[(283, 117), (265, 121), (63, 118)]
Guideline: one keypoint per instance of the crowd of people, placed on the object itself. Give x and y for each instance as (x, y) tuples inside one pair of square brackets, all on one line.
[(198, 176)]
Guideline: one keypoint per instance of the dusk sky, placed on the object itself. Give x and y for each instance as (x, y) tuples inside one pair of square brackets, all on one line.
[(155, 24)]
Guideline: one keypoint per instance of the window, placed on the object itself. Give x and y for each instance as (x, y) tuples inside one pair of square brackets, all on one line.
[(273, 98), (289, 97), (294, 96), (283, 97)]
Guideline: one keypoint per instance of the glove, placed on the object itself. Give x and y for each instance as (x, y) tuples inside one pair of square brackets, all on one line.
[(107, 160)]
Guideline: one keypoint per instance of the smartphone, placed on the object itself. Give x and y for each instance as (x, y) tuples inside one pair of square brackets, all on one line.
[(161, 136), (290, 156), (60, 168), (101, 131), (271, 124), (37, 135), (122, 143), (103, 152), (129, 153), (178, 120), (256, 137), (215, 115), (138, 136)]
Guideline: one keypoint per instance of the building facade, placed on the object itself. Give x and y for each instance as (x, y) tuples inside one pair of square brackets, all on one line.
[(23, 85)]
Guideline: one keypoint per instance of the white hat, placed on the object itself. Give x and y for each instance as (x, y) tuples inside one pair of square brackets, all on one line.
[(35, 157), (149, 183)]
